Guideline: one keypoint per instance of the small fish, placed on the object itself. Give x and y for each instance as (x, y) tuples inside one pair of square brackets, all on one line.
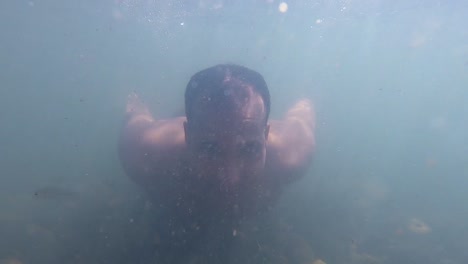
[(55, 193)]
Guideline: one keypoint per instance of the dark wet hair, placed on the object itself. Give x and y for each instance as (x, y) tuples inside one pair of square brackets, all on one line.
[(212, 81)]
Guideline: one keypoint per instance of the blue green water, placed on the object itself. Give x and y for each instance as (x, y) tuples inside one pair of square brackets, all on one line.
[(388, 80)]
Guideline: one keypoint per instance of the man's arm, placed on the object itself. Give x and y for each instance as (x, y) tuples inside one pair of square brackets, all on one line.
[(149, 149), (291, 142)]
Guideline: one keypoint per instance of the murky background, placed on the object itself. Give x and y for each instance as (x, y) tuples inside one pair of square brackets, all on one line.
[(388, 80)]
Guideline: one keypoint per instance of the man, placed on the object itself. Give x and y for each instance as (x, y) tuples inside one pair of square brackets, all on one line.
[(224, 161)]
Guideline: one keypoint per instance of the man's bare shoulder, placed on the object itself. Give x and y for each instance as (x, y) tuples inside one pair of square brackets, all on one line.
[(291, 142), (149, 148)]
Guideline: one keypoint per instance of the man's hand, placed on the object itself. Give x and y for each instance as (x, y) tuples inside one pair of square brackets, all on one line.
[(303, 111), (136, 111), (135, 106)]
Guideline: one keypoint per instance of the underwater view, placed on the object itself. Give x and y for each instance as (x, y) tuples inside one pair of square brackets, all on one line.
[(223, 131)]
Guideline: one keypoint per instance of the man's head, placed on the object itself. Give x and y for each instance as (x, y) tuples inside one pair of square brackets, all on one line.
[(227, 108)]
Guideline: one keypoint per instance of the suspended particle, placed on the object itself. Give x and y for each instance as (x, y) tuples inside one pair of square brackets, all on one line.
[(283, 7)]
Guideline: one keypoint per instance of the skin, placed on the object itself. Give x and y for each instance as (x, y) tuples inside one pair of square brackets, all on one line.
[(225, 161)]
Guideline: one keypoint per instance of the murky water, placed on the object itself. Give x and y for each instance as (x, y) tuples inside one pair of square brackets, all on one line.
[(387, 79)]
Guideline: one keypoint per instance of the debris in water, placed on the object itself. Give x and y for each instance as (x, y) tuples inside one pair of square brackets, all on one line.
[(418, 226), (283, 7), (55, 193)]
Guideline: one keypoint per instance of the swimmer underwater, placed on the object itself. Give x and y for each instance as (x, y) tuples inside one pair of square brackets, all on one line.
[(224, 161)]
